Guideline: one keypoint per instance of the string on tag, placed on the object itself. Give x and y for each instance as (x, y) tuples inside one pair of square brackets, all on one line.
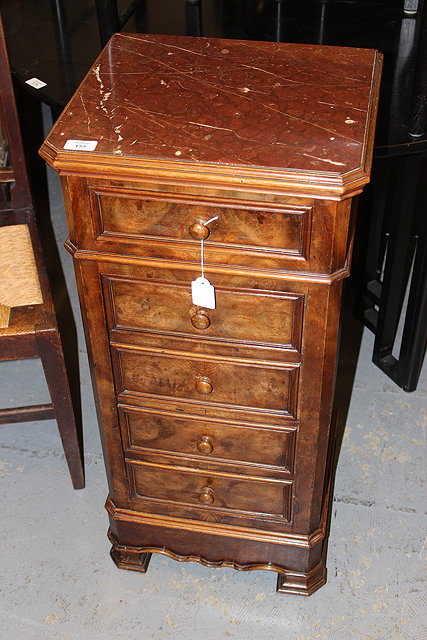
[(202, 292), (202, 248)]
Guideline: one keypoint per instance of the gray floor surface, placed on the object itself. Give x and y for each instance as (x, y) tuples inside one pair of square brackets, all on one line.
[(57, 580)]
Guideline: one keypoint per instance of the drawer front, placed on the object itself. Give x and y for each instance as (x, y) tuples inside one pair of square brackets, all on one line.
[(210, 439), (127, 214), (245, 316), (212, 380), (210, 490)]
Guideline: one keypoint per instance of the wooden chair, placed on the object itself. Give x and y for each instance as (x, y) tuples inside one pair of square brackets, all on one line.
[(28, 327)]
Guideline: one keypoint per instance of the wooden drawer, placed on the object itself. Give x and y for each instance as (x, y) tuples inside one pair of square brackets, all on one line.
[(205, 379), (211, 439), (126, 212), (153, 224), (242, 315), (208, 489)]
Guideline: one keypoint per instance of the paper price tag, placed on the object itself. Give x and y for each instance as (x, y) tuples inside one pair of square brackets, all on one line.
[(36, 83), (81, 145), (203, 293)]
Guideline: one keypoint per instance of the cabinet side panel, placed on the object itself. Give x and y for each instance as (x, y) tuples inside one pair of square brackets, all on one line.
[(315, 403), (91, 303)]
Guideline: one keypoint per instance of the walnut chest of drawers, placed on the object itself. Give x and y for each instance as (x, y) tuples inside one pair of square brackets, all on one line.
[(216, 423)]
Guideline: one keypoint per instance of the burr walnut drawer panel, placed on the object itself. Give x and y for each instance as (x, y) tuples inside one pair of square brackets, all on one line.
[(245, 316), (211, 439), (215, 380), (210, 489), (136, 217)]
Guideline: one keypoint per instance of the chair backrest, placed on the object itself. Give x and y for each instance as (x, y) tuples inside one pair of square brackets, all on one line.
[(15, 171)]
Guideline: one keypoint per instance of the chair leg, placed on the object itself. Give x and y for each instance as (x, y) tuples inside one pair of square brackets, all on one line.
[(52, 357)]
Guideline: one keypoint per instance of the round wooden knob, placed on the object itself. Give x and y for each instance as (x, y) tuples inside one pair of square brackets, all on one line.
[(200, 320), (204, 385), (205, 445), (198, 230), (207, 496)]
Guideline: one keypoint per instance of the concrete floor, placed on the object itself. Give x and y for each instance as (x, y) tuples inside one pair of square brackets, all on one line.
[(57, 580)]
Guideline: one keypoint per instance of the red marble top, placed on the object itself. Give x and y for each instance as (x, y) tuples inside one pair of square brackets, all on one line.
[(297, 107)]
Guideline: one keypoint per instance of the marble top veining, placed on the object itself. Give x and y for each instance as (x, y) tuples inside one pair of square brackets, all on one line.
[(303, 108)]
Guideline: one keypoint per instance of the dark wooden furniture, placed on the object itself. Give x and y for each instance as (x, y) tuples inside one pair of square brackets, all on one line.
[(216, 423), (391, 268), (392, 300), (111, 20), (28, 327)]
